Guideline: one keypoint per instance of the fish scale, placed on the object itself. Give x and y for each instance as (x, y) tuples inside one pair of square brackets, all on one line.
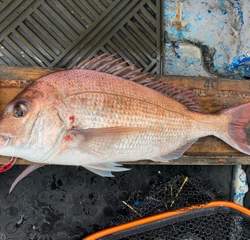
[(104, 109), (116, 114)]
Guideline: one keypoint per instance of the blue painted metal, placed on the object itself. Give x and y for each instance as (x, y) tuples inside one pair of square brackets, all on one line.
[(222, 26), (239, 185)]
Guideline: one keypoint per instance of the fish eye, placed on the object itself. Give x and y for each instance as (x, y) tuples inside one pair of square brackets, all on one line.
[(19, 110)]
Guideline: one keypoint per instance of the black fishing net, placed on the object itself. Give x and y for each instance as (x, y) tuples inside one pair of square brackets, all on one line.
[(179, 192), (219, 223)]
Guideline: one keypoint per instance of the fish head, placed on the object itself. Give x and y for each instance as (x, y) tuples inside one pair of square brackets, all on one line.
[(29, 126)]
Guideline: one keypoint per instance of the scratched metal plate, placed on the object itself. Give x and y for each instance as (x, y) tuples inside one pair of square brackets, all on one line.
[(60, 33)]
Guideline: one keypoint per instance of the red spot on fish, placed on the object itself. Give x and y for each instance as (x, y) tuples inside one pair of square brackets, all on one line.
[(72, 119), (8, 165), (68, 138)]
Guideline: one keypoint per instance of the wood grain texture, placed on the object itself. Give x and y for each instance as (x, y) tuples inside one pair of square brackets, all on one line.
[(214, 94)]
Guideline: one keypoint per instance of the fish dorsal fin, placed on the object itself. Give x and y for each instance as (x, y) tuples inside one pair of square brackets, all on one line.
[(182, 95), (116, 66)]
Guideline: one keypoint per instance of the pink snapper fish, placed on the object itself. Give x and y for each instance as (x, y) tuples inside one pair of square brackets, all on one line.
[(103, 113)]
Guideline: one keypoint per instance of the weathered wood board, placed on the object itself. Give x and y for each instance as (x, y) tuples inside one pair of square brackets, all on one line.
[(214, 94)]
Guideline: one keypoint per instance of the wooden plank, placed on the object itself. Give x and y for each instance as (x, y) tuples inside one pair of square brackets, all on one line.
[(214, 95)]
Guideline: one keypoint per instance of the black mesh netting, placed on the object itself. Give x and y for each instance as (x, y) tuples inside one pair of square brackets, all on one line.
[(211, 224), (178, 192)]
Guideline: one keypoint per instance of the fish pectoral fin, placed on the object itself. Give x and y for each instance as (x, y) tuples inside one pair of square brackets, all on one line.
[(32, 167), (175, 154), (91, 133), (105, 169), (100, 172), (97, 140)]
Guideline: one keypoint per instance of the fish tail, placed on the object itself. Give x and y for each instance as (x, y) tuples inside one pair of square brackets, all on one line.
[(234, 134)]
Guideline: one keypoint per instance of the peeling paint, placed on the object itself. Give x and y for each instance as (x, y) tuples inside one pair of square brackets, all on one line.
[(240, 12), (177, 19), (222, 26), (180, 57)]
